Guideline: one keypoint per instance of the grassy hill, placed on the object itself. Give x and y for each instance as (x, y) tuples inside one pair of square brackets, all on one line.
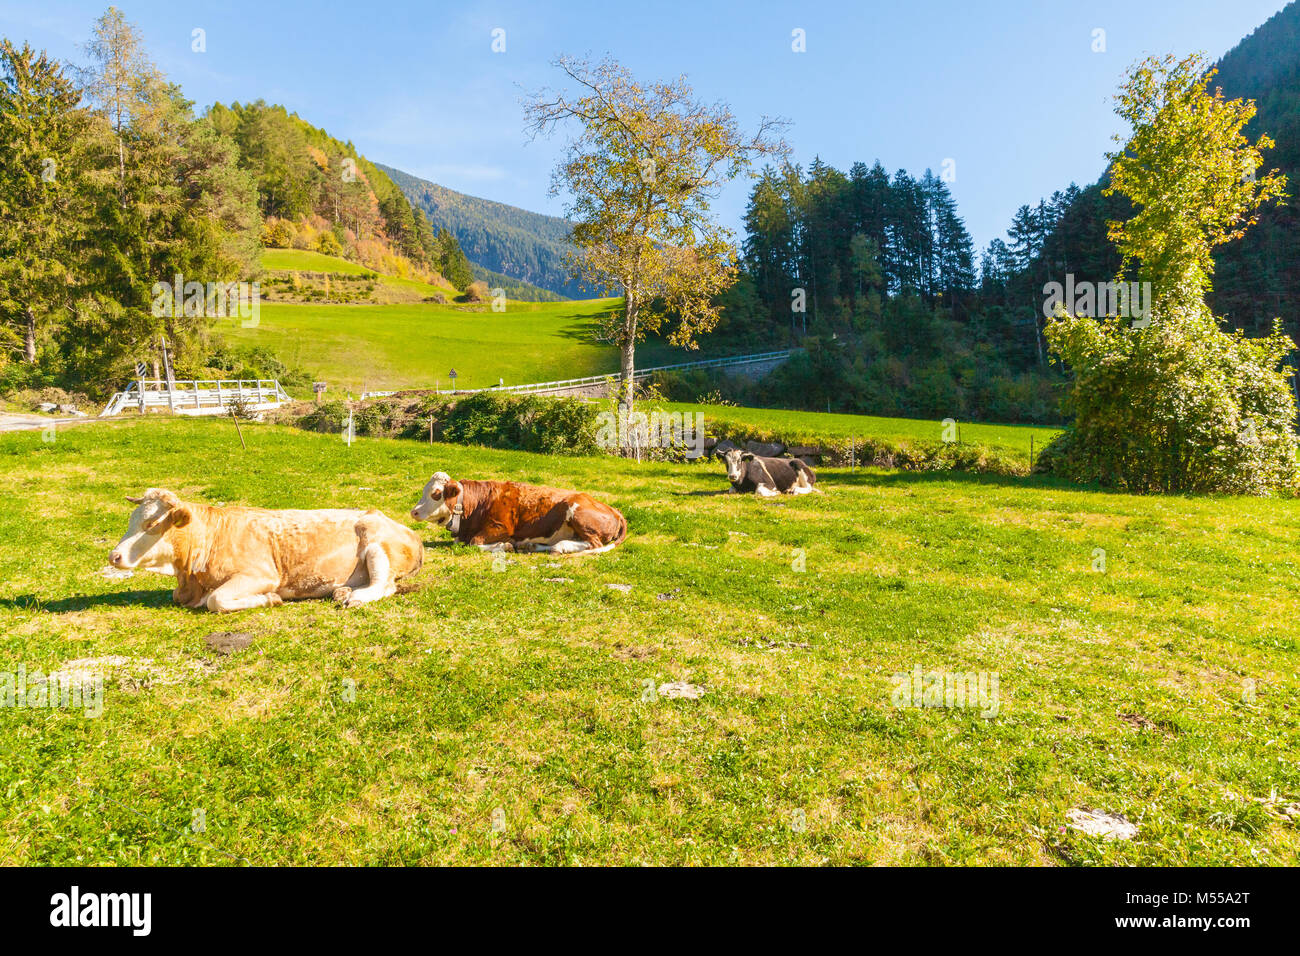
[(379, 332), (415, 345), (293, 275), (1154, 688)]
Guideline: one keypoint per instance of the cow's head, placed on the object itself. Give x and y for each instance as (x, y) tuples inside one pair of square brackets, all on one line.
[(145, 543), (735, 459), (438, 499)]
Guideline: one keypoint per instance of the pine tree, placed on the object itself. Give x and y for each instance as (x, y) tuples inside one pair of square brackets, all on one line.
[(452, 264), (41, 169)]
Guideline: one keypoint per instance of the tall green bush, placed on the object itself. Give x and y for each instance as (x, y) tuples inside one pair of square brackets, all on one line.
[(1177, 406)]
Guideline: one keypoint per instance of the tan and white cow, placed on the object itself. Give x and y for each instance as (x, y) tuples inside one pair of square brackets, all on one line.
[(512, 516), (232, 559)]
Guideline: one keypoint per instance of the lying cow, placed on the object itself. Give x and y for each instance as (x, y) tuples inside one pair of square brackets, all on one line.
[(232, 559), (509, 516), (767, 477)]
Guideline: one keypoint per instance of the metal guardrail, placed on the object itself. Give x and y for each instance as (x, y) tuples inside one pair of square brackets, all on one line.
[(197, 396), (538, 387)]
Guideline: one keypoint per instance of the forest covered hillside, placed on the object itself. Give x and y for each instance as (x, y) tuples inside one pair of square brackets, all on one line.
[(524, 245), (317, 193)]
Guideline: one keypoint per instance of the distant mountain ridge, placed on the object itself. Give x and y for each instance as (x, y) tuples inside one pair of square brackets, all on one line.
[(523, 245)]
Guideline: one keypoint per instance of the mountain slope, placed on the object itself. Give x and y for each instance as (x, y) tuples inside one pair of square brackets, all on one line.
[(1256, 277), (504, 239)]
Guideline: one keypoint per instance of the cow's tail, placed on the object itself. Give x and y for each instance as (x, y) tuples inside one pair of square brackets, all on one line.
[(622, 536)]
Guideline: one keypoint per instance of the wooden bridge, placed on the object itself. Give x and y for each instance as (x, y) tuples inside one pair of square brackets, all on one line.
[(198, 396)]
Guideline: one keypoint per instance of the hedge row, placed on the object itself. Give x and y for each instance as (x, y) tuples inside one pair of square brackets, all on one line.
[(569, 426), (553, 426)]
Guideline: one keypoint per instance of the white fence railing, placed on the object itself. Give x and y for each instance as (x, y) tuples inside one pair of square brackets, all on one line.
[(198, 396), (540, 388)]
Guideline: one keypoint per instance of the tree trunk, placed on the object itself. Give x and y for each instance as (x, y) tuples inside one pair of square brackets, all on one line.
[(627, 350), (29, 345), (1038, 337)]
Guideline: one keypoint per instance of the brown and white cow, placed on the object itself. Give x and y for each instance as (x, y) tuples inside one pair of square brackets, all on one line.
[(232, 559), (510, 516)]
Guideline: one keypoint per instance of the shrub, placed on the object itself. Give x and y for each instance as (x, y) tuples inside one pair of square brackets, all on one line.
[(277, 234), (523, 422), (555, 426), (32, 397), (329, 245), (1178, 406), (476, 292), (375, 420)]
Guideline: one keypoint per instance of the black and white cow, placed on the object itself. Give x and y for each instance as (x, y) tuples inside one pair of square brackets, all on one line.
[(767, 477)]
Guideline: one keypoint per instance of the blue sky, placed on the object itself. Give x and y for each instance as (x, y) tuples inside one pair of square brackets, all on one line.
[(1010, 90)]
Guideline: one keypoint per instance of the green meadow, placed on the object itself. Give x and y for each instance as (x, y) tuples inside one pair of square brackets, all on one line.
[(304, 260), (386, 347), (795, 427), (508, 710)]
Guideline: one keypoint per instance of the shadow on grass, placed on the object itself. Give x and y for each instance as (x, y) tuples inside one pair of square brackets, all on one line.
[(83, 602)]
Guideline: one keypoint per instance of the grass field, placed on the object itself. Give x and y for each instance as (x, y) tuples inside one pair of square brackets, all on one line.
[(798, 425), (500, 712), (286, 260), (384, 347)]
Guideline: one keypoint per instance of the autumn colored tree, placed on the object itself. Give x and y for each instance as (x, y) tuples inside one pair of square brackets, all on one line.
[(641, 172)]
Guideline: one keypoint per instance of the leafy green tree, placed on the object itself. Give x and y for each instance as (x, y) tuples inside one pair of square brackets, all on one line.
[(169, 199), (118, 77), (328, 244), (1191, 174), (1173, 403)]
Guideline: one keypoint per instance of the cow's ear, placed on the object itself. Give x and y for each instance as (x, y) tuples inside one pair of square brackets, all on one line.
[(450, 490), (180, 516)]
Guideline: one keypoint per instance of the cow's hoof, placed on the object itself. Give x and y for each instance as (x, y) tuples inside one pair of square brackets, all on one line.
[(341, 595), (274, 600)]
